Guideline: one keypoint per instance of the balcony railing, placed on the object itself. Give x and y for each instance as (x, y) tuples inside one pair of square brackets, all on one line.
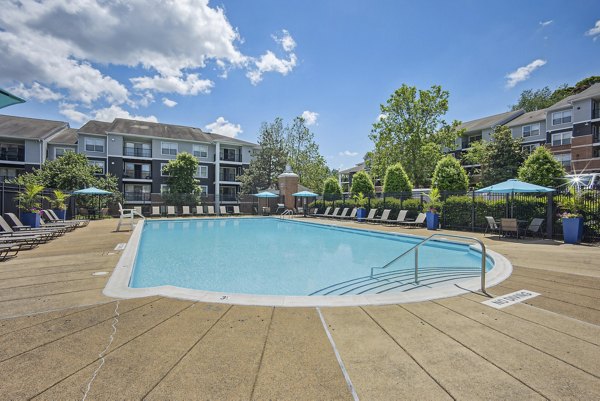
[(136, 196), (228, 177), (230, 157), (138, 175), (595, 113), (228, 198), (137, 152), (12, 154)]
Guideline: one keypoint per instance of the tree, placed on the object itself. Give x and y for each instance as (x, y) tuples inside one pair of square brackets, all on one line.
[(449, 175), (503, 157), (396, 180), (183, 187), (303, 155), (331, 188), (268, 161), (412, 131), (531, 100), (541, 168), (362, 184)]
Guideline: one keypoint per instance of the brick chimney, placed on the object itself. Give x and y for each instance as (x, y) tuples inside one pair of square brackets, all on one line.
[(288, 185)]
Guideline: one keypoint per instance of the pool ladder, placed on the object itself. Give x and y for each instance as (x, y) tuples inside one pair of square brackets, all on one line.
[(416, 247), (289, 213)]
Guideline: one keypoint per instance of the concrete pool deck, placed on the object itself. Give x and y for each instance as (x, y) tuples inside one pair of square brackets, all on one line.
[(54, 322)]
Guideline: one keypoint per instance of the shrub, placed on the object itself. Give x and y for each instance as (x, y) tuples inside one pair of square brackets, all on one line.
[(331, 189), (541, 168), (449, 175), (361, 182), (396, 180)]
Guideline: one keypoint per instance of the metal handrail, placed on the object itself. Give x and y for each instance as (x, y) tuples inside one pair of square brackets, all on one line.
[(286, 212), (416, 249)]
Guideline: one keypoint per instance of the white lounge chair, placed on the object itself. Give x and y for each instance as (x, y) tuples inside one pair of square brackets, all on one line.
[(199, 210), (352, 215), (400, 219), (417, 222), (171, 211), (223, 210), (335, 213), (384, 217), (236, 210), (185, 211), (210, 210), (155, 211), (324, 214), (343, 214)]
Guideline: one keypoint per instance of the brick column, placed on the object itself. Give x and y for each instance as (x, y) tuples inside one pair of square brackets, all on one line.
[(288, 185)]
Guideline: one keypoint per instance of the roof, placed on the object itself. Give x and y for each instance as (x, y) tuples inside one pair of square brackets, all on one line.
[(490, 121), (171, 131), (67, 136), (29, 128), (95, 127), (530, 117), (358, 167), (592, 91)]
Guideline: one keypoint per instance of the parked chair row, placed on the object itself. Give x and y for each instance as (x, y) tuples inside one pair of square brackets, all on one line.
[(183, 211), (372, 217)]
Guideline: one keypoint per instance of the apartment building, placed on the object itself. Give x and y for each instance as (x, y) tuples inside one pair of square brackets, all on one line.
[(135, 152)]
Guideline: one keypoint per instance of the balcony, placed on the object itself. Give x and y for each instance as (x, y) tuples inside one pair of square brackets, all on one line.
[(12, 153), (230, 157), (136, 196), (137, 152), (228, 198), (137, 175), (225, 176), (596, 113)]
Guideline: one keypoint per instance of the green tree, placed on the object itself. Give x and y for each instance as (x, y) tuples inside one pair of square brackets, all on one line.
[(303, 155), (541, 168), (503, 157), (181, 172), (396, 180), (268, 160), (332, 189), (361, 183), (449, 175), (537, 99), (412, 132)]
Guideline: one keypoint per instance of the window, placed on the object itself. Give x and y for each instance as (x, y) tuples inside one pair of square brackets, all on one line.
[(562, 138), (94, 145), (137, 192), (137, 149), (204, 190), (7, 173), (99, 164), (564, 158), (200, 151), (12, 152), (531, 130), (228, 154), (473, 138), (561, 117), (228, 174), (202, 172), (164, 188), (168, 148), (530, 148), (138, 171), (163, 172), (58, 152)]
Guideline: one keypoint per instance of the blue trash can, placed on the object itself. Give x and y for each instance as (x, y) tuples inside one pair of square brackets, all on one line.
[(433, 221)]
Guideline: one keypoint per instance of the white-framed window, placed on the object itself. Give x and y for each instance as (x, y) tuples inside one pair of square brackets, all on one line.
[(202, 171), (94, 145), (204, 189), (530, 147), (99, 164), (564, 158), (58, 152), (164, 188), (531, 130), (561, 138), (200, 151), (561, 117), (168, 148), (163, 173)]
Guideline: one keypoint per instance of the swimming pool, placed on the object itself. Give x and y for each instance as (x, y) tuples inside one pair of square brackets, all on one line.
[(272, 260)]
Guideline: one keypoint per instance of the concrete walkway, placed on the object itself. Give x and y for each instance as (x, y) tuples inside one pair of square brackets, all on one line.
[(54, 323)]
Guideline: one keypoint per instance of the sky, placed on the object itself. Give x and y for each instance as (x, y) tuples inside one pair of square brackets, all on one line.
[(228, 66)]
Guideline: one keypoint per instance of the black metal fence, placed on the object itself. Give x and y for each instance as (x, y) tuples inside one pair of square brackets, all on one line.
[(9, 203)]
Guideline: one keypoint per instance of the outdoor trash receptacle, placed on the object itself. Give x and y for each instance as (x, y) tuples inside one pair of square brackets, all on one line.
[(572, 230), (361, 213), (433, 221)]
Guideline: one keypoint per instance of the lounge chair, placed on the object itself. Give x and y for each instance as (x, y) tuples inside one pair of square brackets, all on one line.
[(492, 226), (171, 211), (371, 214), (223, 210), (9, 250), (417, 222), (155, 211), (351, 216), (314, 211), (400, 219), (236, 210), (49, 231), (323, 214), (535, 227), (384, 217), (509, 226), (185, 211), (47, 218), (334, 214), (54, 219), (299, 210), (343, 214), (210, 210), (29, 239), (280, 208), (199, 210)]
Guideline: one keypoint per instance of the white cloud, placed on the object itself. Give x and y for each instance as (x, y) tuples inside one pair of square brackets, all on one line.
[(35, 91), (169, 102), (595, 31), (523, 73), (546, 23), (310, 117), (269, 62), (68, 110), (114, 111), (348, 153), (285, 40), (223, 127), (191, 85)]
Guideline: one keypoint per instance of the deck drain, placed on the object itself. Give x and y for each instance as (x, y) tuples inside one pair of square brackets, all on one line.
[(120, 246), (100, 274)]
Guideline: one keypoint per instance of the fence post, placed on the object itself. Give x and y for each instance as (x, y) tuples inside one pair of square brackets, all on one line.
[(473, 211), (421, 201), (3, 198), (384, 201), (550, 216)]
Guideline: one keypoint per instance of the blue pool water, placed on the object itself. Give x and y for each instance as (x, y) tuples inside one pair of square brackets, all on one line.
[(271, 256)]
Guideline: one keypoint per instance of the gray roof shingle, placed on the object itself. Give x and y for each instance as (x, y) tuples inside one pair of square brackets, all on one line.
[(68, 136), (530, 117), (95, 127), (29, 128), (592, 91), (490, 121)]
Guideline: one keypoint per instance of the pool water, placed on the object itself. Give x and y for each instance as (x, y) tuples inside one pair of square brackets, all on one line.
[(271, 256)]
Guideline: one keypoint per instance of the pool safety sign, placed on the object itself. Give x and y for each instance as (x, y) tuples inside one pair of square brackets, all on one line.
[(510, 299)]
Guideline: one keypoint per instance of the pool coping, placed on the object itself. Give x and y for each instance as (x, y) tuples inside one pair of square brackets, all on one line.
[(118, 283)]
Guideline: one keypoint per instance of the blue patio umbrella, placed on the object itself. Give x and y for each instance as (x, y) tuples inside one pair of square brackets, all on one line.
[(92, 191), (265, 194), (304, 195), (8, 99), (513, 186)]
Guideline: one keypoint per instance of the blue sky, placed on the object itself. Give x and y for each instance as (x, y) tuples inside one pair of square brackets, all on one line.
[(231, 65)]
